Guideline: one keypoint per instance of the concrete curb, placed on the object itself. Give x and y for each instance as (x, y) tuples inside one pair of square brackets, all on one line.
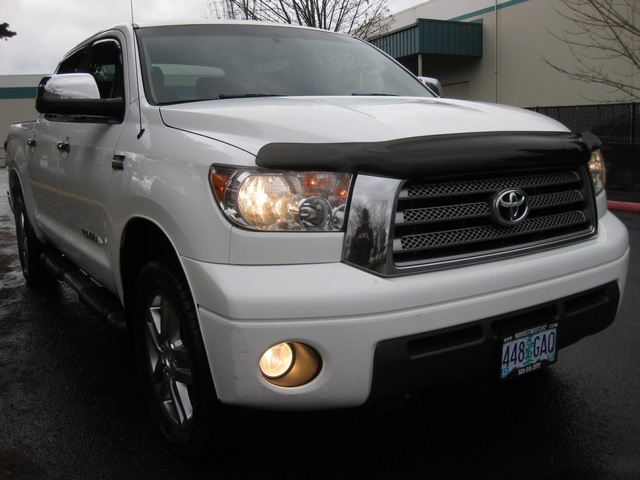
[(624, 206)]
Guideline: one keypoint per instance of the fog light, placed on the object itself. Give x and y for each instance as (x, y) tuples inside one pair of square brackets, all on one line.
[(290, 364), (276, 361)]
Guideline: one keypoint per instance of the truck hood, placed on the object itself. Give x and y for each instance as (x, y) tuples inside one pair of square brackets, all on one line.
[(250, 124)]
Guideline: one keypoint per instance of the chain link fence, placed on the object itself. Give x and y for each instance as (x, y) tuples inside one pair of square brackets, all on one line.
[(618, 128)]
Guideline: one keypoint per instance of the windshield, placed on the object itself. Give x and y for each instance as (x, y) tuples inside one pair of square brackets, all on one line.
[(220, 61)]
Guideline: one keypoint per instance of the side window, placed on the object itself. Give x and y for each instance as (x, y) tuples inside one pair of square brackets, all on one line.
[(73, 63), (105, 64)]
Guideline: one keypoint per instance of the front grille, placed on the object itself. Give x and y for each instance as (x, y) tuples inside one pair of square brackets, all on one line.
[(437, 223)]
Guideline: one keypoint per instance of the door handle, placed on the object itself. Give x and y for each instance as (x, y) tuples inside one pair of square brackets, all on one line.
[(64, 146)]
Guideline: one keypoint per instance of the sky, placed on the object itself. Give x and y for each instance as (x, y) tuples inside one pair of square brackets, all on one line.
[(47, 29)]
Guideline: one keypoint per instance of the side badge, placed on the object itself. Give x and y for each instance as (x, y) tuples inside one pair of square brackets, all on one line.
[(118, 162), (92, 236)]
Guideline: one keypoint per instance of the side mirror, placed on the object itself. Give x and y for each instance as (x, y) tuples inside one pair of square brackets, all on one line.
[(76, 95), (432, 84)]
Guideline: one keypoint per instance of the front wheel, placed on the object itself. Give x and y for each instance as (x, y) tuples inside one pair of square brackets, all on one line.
[(172, 358)]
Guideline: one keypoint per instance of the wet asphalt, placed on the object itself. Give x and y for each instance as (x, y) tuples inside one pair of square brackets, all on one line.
[(71, 408)]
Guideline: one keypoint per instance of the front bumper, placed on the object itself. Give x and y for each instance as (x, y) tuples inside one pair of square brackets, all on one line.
[(348, 315), (412, 363)]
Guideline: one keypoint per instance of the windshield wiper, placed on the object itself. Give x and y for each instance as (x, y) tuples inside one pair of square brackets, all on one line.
[(223, 96)]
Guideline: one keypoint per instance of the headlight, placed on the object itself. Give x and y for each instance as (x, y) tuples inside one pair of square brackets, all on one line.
[(598, 171), (282, 201)]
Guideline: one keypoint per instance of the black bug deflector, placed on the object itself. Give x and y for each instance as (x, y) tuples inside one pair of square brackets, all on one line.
[(432, 155)]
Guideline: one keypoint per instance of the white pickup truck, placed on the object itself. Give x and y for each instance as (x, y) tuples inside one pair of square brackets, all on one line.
[(286, 218)]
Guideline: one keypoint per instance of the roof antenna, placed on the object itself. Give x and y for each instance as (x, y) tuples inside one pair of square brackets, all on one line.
[(135, 59)]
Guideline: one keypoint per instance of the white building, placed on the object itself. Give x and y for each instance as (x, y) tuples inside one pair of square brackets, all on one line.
[(516, 36)]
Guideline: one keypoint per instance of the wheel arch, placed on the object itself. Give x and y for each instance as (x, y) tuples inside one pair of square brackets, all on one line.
[(142, 241), (18, 183), (15, 186)]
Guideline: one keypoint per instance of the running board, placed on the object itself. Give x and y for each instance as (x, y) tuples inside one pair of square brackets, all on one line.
[(96, 298)]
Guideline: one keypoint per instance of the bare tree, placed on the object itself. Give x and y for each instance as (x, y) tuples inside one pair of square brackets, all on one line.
[(5, 32), (362, 18), (605, 43)]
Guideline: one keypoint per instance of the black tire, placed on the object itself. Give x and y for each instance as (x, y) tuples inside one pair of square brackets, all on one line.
[(172, 360), (29, 247)]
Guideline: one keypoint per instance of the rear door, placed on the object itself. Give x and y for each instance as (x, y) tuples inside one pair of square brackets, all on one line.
[(45, 160), (43, 163)]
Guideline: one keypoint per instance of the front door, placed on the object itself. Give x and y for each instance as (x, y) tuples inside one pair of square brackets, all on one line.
[(85, 172)]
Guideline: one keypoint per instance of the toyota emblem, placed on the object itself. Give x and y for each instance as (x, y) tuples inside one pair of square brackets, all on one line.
[(510, 207)]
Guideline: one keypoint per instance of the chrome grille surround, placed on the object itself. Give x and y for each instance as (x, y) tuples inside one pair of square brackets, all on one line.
[(443, 223)]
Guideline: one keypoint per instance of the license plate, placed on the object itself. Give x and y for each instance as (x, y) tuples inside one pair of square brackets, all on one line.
[(528, 350)]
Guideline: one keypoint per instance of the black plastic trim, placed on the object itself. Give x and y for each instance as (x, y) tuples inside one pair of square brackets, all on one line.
[(411, 364), (432, 155), (97, 299)]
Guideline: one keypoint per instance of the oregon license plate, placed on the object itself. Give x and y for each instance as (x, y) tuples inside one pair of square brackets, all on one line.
[(528, 350)]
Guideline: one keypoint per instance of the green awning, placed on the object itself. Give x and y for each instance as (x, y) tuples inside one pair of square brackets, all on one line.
[(433, 37)]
